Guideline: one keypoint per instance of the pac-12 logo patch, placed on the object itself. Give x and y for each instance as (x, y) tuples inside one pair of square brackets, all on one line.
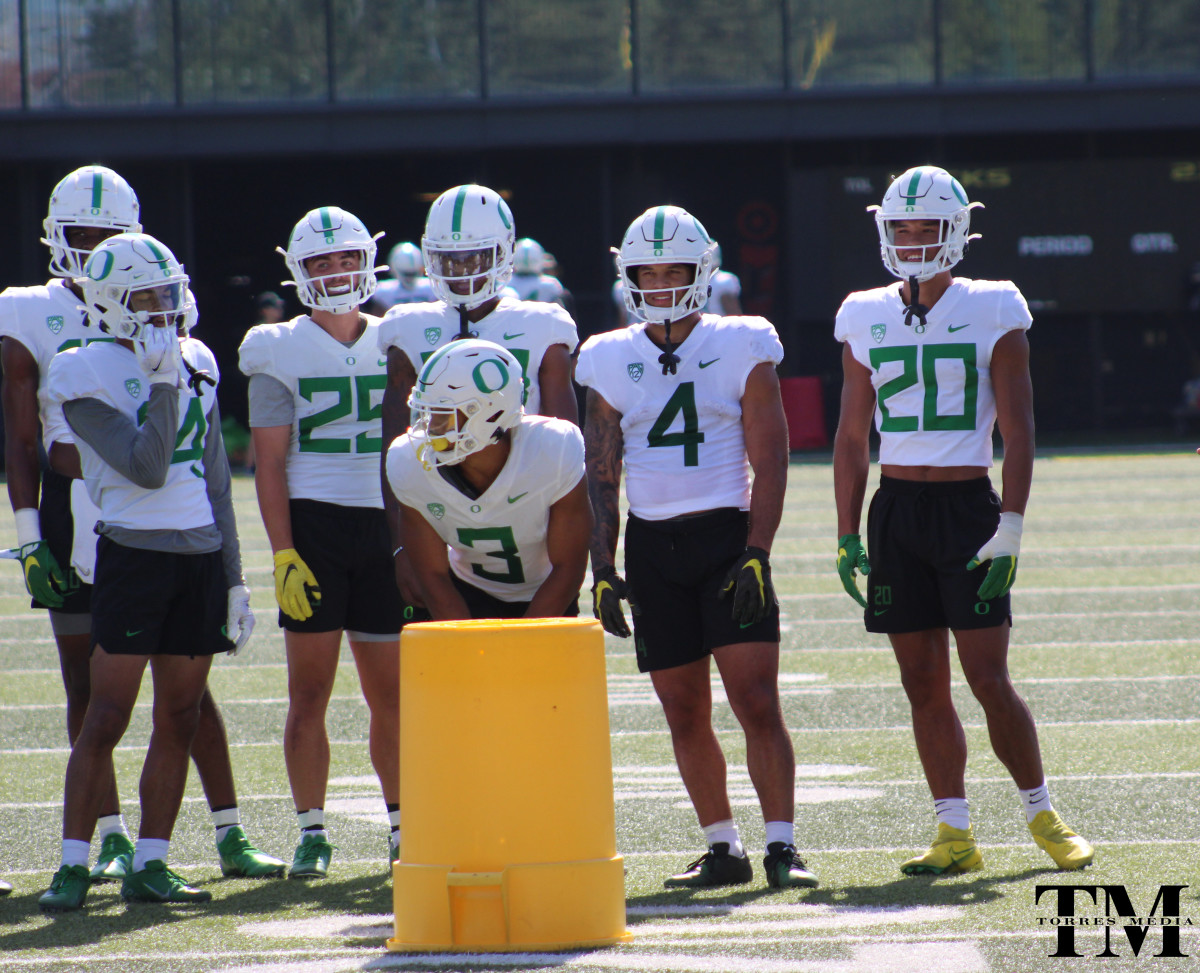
[(433, 335), (636, 370), (437, 510), (878, 331), (55, 323), (133, 386)]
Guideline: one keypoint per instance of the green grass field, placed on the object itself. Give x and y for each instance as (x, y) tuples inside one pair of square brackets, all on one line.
[(1106, 649)]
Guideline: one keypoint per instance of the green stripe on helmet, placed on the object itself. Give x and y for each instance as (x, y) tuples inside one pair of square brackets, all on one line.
[(505, 214), (460, 202), (914, 184), (660, 221), (958, 190), (97, 191), (160, 258), (436, 356)]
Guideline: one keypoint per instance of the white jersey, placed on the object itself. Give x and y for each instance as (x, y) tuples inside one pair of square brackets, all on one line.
[(721, 283), (526, 328), (392, 291), (498, 541), (537, 287), (109, 373), (337, 429), (934, 400), (684, 446)]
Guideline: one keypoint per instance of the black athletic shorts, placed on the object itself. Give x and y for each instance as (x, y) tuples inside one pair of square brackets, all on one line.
[(920, 537), (157, 603), (676, 569), (349, 550), (484, 605), (58, 530)]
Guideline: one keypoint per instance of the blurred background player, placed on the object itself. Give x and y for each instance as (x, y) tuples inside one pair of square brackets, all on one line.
[(87, 206), (724, 289), (529, 279), (407, 285), (316, 383), (468, 251), (495, 502), (938, 361), (270, 307), (690, 404), (169, 582)]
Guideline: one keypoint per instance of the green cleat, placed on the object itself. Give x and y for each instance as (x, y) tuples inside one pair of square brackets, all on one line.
[(312, 858), (157, 883), (786, 869), (715, 868), (1068, 850), (68, 889), (954, 850), (115, 860), (240, 859)]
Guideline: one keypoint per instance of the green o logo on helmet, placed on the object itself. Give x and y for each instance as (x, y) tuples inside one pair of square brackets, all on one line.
[(93, 268), (499, 373)]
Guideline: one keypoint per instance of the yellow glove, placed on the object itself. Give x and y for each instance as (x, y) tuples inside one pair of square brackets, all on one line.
[(296, 587)]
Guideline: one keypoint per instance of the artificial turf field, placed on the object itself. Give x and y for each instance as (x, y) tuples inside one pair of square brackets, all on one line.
[(1106, 650)]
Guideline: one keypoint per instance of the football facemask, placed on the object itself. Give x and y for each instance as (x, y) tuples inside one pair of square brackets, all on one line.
[(924, 193), (93, 196), (468, 245), (665, 235), (468, 393), (132, 281)]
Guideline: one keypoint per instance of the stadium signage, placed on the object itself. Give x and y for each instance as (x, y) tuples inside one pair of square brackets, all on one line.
[(1119, 912), (1079, 245)]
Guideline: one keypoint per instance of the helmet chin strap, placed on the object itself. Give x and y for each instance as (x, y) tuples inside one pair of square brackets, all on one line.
[(668, 359), (915, 308), (464, 323)]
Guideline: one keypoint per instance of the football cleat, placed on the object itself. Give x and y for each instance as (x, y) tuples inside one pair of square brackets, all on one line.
[(785, 869), (716, 867), (240, 859), (312, 858), (5, 888), (157, 883), (67, 891), (1068, 850), (115, 860), (954, 850)]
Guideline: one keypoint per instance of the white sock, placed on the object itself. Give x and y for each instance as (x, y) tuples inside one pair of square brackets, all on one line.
[(953, 811), (225, 819), (394, 822), (1035, 801), (111, 824), (150, 850), (75, 852), (312, 822), (725, 831), (781, 831)]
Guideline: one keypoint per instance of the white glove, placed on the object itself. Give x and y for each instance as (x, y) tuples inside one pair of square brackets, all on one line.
[(158, 353), (239, 623), (1002, 550)]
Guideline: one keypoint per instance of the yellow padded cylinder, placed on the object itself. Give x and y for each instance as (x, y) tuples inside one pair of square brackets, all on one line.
[(508, 831)]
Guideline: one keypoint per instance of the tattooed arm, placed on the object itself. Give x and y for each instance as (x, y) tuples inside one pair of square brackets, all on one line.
[(604, 447)]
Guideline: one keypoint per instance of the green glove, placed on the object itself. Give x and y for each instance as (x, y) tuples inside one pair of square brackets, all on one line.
[(296, 588), (852, 558), (749, 581), (44, 579), (607, 592), (1002, 550)]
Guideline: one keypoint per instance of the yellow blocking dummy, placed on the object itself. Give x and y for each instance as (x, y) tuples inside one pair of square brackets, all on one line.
[(507, 827)]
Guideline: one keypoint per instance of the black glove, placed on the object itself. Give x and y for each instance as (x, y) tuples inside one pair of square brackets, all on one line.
[(749, 580), (608, 589)]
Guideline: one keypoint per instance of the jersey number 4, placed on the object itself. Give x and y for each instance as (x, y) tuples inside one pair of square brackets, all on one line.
[(683, 400), (930, 418)]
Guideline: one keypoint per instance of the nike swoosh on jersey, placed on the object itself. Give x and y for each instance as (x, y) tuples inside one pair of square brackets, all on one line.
[(509, 337), (517, 497), (957, 327), (705, 364), (382, 363)]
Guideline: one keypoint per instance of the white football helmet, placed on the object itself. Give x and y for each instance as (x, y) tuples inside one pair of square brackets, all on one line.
[(469, 240), (405, 260), (925, 193), (330, 229), (529, 259), (132, 281), (665, 235), (90, 196), (468, 393)]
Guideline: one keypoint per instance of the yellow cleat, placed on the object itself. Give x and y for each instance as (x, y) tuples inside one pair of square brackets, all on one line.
[(1068, 850), (954, 850)]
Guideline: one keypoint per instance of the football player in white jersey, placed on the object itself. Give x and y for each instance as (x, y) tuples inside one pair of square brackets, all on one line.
[(87, 206), (168, 579), (938, 361), (725, 290), (407, 285), (690, 404), (530, 281), (495, 502), (468, 249), (316, 383)]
